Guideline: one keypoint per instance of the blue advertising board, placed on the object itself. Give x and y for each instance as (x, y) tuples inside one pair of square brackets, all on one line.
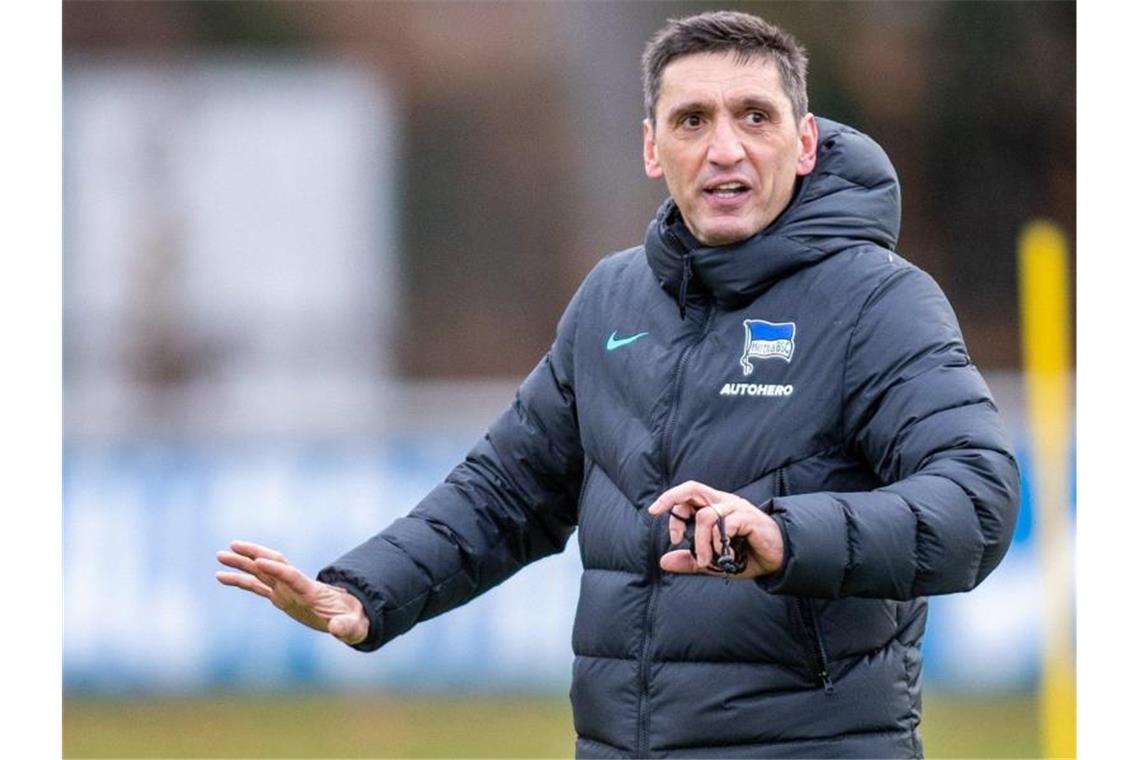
[(143, 612)]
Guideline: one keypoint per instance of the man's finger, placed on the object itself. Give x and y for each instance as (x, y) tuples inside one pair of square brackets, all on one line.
[(692, 493), (678, 519), (285, 573), (245, 564), (706, 533), (703, 532), (679, 561), (243, 581), (257, 551)]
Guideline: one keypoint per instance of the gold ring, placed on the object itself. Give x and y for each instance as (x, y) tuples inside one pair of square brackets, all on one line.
[(714, 509)]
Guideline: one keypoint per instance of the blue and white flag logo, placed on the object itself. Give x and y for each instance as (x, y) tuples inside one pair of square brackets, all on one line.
[(767, 340)]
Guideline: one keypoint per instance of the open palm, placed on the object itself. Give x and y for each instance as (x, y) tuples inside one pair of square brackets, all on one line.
[(267, 573)]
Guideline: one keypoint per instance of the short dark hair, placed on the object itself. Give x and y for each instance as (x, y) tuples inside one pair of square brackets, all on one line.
[(745, 35)]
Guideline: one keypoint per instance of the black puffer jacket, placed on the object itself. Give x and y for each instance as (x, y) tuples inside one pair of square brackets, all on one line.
[(815, 373)]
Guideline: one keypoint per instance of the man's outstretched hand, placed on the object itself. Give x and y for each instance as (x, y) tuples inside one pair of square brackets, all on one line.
[(267, 573), (741, 518)]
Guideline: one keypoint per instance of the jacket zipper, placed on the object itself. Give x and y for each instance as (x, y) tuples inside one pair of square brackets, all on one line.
[(657, 530), (807, 611), (647, 626), (815, 639), (667, 436)]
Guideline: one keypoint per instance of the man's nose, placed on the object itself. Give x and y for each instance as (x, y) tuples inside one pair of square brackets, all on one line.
[(726, 148)]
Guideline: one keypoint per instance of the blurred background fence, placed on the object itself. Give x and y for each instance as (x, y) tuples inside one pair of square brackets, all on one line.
[(310, 248)]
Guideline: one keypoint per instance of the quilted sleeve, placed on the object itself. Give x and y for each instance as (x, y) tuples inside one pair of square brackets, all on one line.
[(513, 500), (918, 411)]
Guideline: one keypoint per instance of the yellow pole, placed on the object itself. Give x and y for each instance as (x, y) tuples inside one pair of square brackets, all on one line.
[(1047, 354)]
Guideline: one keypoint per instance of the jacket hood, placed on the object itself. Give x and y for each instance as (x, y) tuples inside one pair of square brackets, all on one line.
[(851, 197)]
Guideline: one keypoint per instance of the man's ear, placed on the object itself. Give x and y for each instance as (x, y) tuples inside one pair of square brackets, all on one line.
[(653, 169), (809, 143)]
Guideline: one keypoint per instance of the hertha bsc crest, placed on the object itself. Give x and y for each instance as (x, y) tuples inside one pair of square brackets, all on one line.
[(767, 340)]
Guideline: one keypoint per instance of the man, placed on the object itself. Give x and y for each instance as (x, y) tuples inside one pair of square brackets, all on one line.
[(763, 392)]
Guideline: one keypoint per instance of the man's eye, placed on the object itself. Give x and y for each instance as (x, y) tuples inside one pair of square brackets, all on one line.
[(756, 117), (692, 121)]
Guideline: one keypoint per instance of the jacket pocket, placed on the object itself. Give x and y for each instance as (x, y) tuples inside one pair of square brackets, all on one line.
[(811, 636)]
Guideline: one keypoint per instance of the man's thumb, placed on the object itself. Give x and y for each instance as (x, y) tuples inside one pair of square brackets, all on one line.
[(345, 628)]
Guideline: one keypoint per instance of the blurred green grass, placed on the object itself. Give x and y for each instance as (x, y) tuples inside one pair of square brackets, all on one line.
[(349, 726)]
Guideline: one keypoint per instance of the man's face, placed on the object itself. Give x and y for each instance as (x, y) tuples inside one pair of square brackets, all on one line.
[(727, 144)]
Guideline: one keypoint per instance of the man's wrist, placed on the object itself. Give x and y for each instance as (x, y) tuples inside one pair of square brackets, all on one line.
[(771, 546), (774, 539), (372, 639)]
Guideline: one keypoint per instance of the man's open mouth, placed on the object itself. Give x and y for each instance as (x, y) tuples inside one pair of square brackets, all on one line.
[(727, 189)]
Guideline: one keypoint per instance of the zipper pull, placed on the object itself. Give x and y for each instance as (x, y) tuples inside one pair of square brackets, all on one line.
[(828, 686)]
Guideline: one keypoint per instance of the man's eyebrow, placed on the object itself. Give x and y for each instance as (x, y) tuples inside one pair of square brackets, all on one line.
[(760, 102), (689, 106)]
